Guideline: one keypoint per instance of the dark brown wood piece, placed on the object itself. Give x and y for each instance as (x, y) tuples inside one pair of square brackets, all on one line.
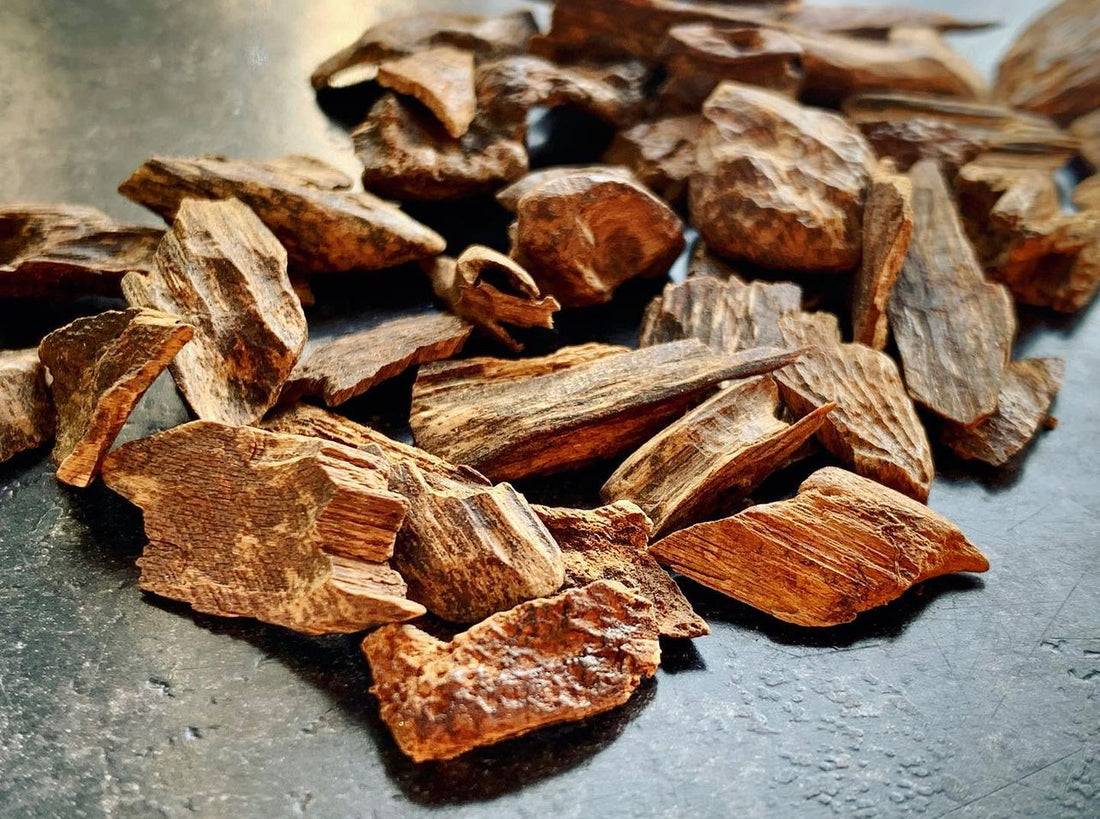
[(26, 409)]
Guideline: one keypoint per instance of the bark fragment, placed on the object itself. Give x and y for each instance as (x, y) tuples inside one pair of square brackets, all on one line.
[(612, 543), (289, 530), (841, 546), (101, 366), (26, 410), (442, 78), (221, 271), (480, 413), (544, 662), (660, 153)]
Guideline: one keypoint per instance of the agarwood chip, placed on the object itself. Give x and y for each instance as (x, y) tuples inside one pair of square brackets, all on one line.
[(1087, 130), (953, 328), (612, 543), (1086, 195), (64, 251), (101, 366), (340, 366), (512, 421), (26, 410), (580, 236), (660, 153), (705, 263), (486, 37), (887, 230), (713, 456), (876, 21), (779, 184), (242, 522), (442, 78), (324, 228), (490, 290), (221, 271), (1053, 66), (407, 155), (509, 196), (841, 546), (1027, 391), (543, 662)]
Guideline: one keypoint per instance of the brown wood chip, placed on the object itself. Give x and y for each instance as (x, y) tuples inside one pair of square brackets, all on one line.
[(101, 366), (660, 153), (841, 546), (544, 662), (242, 522), (26, 409), (1087, 130), (509, 196), (514, 427), (324, 228), (612, 543), (876, 21), (1086, 195), (442, 78)]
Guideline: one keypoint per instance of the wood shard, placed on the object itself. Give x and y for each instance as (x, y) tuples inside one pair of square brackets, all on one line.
[(1053, 66), (407, 155), (580, 236), (26, 410), (490, 290), (471, 412), (289, 530), (442, 78), (612, 543), (660, 153), (841, 546), (469, 551), (221, 271), (101, 366), (509, 196), (779, 184), (486, 37), (887, 230), (324, 227), (544, 662), (340, 366), (68, 251), (1027, 391), (953, 328), (876, 21), (713, 456)]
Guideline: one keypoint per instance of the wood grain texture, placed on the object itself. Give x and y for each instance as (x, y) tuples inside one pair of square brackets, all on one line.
[(779, 184), (876, 21), (841, 546), (324, 227), (1027, 391), (101, 366), (340, 367), (713, 457), (26, 408), (660, 153), (581, 236), (511, 428), (221, 271), (612, 543), (509, 196), (953, 328), (442, 78), (242, 522), (544, 662)]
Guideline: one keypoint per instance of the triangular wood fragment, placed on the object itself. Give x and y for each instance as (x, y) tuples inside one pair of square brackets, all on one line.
[(509, 427), (224, 273), (544, 662), (289, 530), (490, 290), (612, 543), (713, 456), (26, 410), (442, 78), (953, 328), (660, 153), (324, 228), (841, 546), (101, 366), (341, 366), (887, 230), (1027, 391)]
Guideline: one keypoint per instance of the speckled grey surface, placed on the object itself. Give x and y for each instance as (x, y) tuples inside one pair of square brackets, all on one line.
[(969, 697)]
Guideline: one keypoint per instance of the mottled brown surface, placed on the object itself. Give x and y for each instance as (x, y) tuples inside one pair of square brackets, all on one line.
[(779, 184), (243, 522), (660, 153), (841, 546), (612, 543), (101, 366), (221, 271), (442, 78), (26, 409), (544, 662), (509, 196)]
